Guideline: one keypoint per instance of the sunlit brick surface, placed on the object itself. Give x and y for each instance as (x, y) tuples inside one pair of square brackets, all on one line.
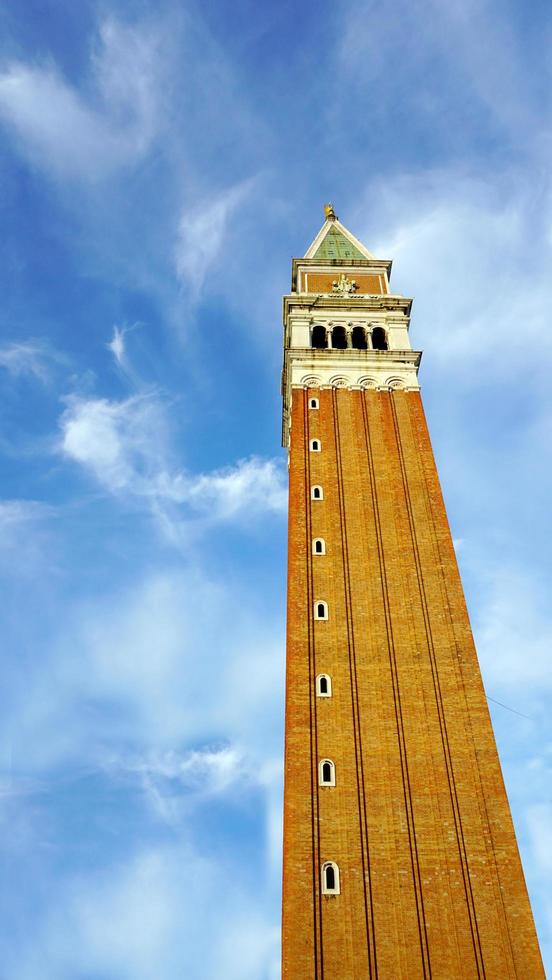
[(419, 823)]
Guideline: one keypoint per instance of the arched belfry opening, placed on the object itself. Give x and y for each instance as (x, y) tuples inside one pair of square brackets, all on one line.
[(358, 338), (379, 339), (319, 338), (339, 338)]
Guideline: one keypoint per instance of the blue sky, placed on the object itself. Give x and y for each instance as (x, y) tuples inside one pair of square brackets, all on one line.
[(160, 164)]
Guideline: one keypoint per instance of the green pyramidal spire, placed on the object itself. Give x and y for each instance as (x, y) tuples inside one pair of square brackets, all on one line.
[(335, 245)]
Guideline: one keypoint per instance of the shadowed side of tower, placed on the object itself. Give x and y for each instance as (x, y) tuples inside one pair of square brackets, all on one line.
[(400, 859)]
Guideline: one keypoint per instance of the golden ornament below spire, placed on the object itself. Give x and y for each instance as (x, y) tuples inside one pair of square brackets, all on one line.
[(329, 212)]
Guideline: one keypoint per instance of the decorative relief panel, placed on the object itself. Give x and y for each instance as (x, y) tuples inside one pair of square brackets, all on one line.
[(319, 282), (344, 285)]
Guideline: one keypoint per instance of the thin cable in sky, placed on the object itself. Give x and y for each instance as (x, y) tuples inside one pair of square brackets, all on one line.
[(513, 710)]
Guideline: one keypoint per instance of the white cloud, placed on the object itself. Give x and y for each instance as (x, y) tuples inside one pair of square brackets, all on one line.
[(172, 687), (141, 890), (160, 83), (500, 82), (117, 345), (514, 633), (118, 442), (206, 771), (28, 357), (54, 125), (445, 68), (166, 912), (175, 782), (126, 67), (71, 135), (212, 769), (124, 446), (539, 820), (24, 537), (165, 647), (201, 234), (456, 244), (188, 662), (18, 513), (252, 485)]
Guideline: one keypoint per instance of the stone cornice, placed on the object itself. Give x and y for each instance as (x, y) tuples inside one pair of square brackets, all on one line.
[(352, 303)]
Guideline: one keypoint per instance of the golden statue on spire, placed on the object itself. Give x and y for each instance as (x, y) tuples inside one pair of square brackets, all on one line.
[(329, 212)]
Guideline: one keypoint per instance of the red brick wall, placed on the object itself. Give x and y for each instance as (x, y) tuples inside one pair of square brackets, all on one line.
[(419, 823)]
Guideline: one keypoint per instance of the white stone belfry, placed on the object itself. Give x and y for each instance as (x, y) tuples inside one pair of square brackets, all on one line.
[(343, 328)]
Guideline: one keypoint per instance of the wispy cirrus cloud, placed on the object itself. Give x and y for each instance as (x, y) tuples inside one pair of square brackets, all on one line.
[(207, 771), (155, 650), (194, 738), (117, 345), (201, 234), (514, 633), (118, 348), (445, 229), (132, 920), (175, 782), (24, 536), (539, 819), (30, 357), (18, 513), (158, 90), (70, 134), (438, 77)]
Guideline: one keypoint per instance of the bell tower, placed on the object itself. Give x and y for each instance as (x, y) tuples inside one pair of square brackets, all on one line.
[(400, 858)]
